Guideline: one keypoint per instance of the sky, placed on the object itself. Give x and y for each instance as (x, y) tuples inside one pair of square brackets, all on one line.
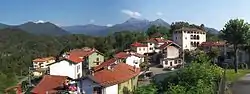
[(211, 13)]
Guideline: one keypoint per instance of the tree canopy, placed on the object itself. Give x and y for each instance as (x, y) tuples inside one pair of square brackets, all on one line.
[(236, 33)]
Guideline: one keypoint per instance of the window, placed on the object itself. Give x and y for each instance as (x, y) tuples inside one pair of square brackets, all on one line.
[(175, 61), (185, 37), (139, 49), (97, 59), (150, 48), (97, 63), (150, 44), (179, 61), (198, 37), (143, 49), (78, 68), (192, 44), (175, 37), (166, 63), (188, 31), (191, 36)]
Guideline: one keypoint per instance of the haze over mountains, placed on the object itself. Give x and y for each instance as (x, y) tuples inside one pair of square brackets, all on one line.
[(132, 24)]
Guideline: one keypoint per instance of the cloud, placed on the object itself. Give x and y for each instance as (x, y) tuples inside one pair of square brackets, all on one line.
[(130, 13), (92, 21), (159, 13), (109, 25)]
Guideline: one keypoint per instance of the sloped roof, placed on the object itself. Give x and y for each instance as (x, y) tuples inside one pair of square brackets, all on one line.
[(106, 63), (49, 83), (44, 59), (121, 55), (120, 73), (78, 55), (167, 44), (138, 44)]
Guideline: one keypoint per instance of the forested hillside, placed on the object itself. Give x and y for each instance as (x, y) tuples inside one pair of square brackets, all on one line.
[(18, 48)]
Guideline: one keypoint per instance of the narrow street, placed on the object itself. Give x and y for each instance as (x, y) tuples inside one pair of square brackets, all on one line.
[(242, 86)]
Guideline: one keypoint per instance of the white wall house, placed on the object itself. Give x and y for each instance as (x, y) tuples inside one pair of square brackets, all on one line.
[(66, 68), (131, 58), (42, 62), (90, 87), (189, 38), (171, 55), (134, 61), (139, 48)]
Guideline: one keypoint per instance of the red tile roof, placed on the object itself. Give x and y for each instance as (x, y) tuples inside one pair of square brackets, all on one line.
[(119, 74), (49, 83), (44, 59), (121, 55), (137, 44), (106, 63), (209, 44), (78, 55)]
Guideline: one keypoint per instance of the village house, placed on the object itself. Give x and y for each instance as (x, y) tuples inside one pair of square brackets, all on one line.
[(76, 63), (43, 62), (189, 38), (130, 58), (171, 55), (154, 44), (139, 47), (40, 65), (52, 84), (110, 77)]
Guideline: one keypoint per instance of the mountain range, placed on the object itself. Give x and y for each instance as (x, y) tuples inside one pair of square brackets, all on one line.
[(132, 24)]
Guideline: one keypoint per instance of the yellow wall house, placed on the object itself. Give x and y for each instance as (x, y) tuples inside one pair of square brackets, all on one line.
[(111, 77)]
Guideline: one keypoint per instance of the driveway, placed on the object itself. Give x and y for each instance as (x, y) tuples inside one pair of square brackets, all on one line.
[(242, 86)]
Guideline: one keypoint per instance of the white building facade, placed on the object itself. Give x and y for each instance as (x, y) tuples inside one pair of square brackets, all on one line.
[(189, 38), (43, 62), (66, 68)]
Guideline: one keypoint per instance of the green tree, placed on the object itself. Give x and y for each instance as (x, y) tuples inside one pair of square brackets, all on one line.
[(153, 30), (148, 89), (235, 31)]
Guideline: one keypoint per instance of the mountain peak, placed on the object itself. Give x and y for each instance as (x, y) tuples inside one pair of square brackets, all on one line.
[(40, 21), (159, 20), (135, 20)]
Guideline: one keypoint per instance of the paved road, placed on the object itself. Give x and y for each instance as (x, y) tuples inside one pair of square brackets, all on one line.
[(242, 86)]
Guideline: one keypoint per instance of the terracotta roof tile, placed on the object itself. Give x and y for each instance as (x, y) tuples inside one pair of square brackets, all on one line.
[(49, 83), (120, 73), (106, 63), (44, 59), (78, 55), (121, 55), (137, 44)]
